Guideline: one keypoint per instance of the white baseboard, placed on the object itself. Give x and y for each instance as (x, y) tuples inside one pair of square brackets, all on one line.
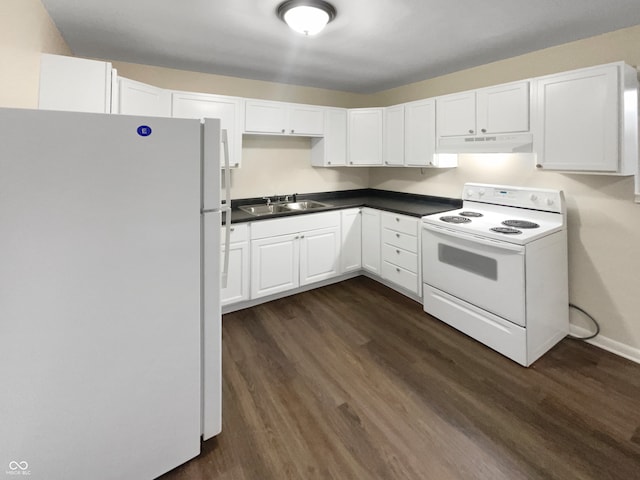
[(613, 346)]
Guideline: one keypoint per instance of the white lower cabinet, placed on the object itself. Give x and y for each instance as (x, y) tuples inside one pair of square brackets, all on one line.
[(319, 254), (238, 276), (371, 240), (295, 251), (274, 265), (351, 247), (400, 257)]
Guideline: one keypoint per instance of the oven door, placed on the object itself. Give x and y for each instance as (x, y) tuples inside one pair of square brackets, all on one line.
[(486, 273)]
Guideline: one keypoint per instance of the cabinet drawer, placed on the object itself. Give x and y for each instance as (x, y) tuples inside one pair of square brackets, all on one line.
[(400, 276), (402, 240), (239, 233), (400, 257), (400, 223)]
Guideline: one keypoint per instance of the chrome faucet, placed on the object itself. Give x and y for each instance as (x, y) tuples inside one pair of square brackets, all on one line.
[(268, 199)]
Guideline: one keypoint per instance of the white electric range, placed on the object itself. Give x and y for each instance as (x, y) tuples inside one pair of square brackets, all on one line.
[(496, 269)]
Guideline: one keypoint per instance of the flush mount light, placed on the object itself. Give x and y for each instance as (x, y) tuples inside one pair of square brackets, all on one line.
[(308, 17)]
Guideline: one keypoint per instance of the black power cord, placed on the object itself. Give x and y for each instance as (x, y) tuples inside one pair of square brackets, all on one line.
[(588, 337)]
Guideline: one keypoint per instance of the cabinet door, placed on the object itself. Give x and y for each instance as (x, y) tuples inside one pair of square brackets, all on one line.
[(265, 117), (136, 98), (503, 109), (577, 126), (227, 109), (394, 135), (351, 249), (420, 133), (371, 240), (237, 288), (274, 265), (331, 149), (456, 114), (365, 136), (319, 254), (74, 84), (306, 120)]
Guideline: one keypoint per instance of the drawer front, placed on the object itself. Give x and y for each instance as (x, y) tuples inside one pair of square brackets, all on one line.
[(402, 240), (239, 233), (400, 257), (400, 276), (400, 223)]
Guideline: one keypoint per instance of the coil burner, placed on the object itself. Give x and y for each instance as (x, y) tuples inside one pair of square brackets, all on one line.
[(506, 230), (520, 224), (454, 219), (471, 214)]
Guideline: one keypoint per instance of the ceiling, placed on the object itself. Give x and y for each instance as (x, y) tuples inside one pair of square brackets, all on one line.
[(372, 45)]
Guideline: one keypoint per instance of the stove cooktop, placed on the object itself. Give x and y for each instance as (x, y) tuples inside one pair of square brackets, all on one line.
[(511, 214)]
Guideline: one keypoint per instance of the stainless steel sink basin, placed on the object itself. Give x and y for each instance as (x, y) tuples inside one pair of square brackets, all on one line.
[(264, 209), (305, 205)]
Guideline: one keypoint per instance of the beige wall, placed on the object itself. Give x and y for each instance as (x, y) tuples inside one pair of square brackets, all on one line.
[(604, 222), (26, 30), (282, 165)]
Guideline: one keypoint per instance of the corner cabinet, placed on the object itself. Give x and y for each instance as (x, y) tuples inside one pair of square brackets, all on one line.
[(330, 150), (351, 249), (371, 240), (279, 118), (227, 109), (137, 98), (394, 136), (365, 136), (587, 120)]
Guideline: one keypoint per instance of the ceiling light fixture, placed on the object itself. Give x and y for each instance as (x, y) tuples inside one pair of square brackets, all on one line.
[(308, 17)]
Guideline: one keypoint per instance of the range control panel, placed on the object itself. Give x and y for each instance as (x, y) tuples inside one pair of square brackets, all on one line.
[(524, 197)]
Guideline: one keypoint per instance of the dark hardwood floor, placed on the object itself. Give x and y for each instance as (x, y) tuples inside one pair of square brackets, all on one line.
[(354, 381)]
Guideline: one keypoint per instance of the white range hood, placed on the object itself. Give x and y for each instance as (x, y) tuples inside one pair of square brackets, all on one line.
[(502, 143)]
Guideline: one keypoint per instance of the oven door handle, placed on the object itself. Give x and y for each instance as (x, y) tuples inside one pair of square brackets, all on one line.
[(474, 238)]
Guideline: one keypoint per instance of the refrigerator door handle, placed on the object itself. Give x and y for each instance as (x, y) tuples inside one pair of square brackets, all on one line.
[(227, 209)]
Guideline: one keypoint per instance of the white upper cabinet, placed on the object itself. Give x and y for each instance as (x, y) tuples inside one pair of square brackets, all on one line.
[(394, 135), (137, 98), (331, 149), (587, 120), (75, 84), (493, 110), (457, 114), (420, 136), (279, 118), (365, 145), (227, 109)]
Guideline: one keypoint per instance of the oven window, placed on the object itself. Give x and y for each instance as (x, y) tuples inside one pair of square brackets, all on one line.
[(471, 262)]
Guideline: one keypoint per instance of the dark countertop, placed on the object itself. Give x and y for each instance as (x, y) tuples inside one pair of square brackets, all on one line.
[(396, 202)]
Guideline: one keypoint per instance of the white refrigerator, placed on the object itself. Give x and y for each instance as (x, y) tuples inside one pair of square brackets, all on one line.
[(110, 329)]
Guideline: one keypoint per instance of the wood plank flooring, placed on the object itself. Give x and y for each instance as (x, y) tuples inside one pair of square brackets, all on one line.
[(355, 381)]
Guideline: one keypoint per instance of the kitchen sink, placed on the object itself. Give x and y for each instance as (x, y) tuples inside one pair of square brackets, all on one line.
[(264, 209), (306, 205)]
